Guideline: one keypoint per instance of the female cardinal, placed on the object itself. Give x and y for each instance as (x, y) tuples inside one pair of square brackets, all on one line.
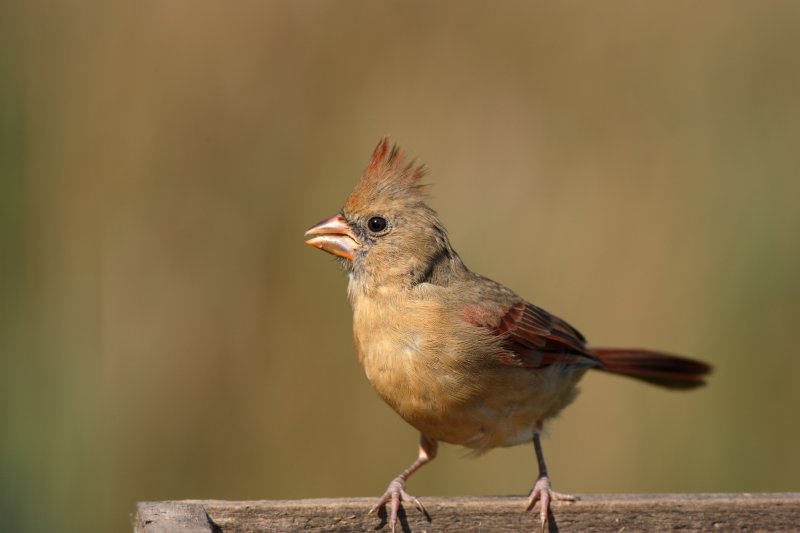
[(460, 357)]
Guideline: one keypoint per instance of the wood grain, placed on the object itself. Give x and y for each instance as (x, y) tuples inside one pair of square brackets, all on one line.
[(592, 513)]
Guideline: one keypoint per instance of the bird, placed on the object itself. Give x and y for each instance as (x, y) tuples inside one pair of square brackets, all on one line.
[(460, 357)]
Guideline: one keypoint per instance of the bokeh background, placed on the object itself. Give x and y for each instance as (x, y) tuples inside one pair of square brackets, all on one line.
[(165, 333)]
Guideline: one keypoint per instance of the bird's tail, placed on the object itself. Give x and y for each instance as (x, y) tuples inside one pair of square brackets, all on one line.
[(662, 369)]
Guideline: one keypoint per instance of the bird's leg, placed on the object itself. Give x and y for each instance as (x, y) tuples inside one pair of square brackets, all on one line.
[(542, 491), (396, 492)]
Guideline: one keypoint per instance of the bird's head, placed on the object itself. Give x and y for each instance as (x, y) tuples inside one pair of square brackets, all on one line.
[(385, 232)]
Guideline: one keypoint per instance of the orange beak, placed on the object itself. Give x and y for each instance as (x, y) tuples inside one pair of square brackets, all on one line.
[(334, 236)]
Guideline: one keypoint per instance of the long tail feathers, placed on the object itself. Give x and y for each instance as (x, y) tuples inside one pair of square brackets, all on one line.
[(661, 369)]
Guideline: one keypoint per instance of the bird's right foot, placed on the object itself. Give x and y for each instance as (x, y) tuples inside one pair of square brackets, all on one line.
[(543, 493)]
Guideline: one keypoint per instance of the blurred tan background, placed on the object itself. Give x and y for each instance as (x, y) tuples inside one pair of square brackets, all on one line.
[(165, 333)]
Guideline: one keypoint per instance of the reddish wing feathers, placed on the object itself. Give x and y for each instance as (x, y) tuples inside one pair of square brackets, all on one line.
[(533, 337)]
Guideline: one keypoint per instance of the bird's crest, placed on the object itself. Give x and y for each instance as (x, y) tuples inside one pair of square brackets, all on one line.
[(389, 176)]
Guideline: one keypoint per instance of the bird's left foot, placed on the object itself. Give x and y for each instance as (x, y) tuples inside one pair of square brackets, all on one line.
[(543, 492), (394, 496)]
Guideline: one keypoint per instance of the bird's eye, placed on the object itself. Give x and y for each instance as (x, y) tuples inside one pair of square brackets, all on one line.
[(377, 224)]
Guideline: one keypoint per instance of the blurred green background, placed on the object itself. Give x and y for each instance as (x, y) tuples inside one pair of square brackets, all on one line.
[(165, 333)]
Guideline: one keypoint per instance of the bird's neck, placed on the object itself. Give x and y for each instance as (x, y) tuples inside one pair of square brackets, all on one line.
[(442, 268)]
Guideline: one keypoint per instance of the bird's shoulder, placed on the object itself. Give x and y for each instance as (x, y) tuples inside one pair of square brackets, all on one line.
[(532, 336)]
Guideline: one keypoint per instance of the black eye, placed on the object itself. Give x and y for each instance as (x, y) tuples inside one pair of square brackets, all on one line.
[(377, 224)]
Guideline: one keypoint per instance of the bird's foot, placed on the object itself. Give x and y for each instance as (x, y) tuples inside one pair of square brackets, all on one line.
[(395, 494), (543, 492)]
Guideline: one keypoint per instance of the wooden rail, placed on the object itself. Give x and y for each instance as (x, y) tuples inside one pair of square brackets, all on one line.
[(592, 513)]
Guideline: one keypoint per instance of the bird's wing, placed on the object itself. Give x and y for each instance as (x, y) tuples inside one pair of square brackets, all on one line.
[(532, 337)]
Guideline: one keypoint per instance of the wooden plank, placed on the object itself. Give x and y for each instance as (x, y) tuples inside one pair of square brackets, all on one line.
[(172, 517), (592, 513)]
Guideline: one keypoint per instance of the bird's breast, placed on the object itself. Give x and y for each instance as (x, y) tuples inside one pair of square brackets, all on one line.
[(411, 359), (443, 375)]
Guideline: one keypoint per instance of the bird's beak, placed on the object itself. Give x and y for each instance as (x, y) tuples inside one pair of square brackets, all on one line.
[(334, 236)]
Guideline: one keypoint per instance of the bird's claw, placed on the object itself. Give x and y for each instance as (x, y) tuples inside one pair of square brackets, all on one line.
[(543, 492), (396, 494)]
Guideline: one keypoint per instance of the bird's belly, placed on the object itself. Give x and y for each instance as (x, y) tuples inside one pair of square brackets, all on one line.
[(507, 412), (480, 408), (524, 398)]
